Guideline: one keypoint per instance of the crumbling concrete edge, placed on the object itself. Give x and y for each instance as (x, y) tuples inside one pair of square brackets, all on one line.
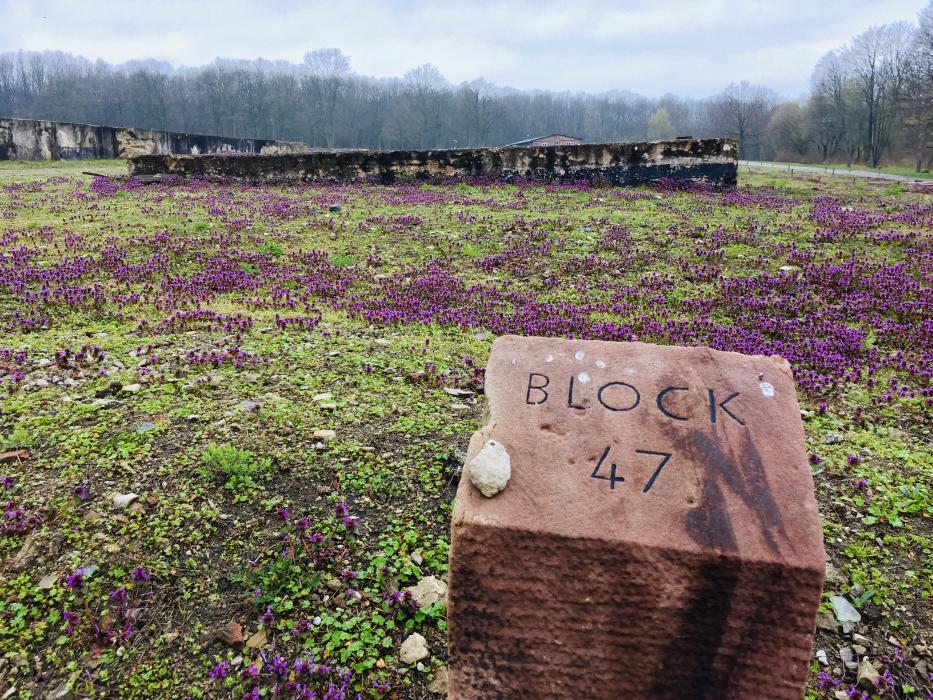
[(711, 160)]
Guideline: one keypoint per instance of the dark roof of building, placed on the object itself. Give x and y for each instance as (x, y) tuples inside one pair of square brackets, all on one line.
[(538, 138)]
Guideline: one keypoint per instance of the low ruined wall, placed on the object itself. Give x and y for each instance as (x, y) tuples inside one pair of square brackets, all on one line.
[(713, 160), (27, 139), (24, 139)]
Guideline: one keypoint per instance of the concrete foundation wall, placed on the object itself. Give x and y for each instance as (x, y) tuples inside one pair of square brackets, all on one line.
[(713, 160), (26, 139)]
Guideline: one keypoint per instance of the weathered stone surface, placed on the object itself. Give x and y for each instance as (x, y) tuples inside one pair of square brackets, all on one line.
[(713, 160), (659, 537), (29, 139)]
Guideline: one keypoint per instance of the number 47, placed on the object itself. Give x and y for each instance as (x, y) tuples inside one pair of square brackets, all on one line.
[(613, 478)]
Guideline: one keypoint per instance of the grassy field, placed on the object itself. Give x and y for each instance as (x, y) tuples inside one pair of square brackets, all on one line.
[(842, 168), (179, 519)]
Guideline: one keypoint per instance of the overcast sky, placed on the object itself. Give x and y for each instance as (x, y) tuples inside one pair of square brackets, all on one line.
[(688, 47)]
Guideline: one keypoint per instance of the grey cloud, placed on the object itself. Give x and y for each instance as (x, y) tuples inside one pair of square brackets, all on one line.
[(688, 47)]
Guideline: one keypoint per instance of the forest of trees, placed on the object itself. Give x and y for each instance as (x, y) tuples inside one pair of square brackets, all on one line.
[(871, 101)]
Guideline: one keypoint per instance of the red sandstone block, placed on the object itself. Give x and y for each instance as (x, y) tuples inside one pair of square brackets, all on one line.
[(658, 538)]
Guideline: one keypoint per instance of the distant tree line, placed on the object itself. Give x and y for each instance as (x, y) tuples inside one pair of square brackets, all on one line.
[(870, 101)]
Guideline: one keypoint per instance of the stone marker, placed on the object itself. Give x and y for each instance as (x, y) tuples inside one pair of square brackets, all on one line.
[(658, 536)]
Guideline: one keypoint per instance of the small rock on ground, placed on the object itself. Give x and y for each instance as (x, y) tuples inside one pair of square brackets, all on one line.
[(826, 622), (439, 684), (413, 649), (867, 675), (27, 554), (845, 611), (47, 581), (428, 591), (122, 500)]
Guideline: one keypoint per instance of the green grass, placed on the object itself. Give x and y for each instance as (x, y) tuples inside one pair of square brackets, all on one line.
[(25, 170)]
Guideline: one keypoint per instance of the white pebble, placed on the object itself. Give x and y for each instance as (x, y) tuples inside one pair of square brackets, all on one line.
[(491, 469), (122, 500), (413, 649)]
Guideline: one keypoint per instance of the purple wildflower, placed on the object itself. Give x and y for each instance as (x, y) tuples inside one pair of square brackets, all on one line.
[(220, 670), (268, 617), (826, 681), (278, 666), (72, 619), (75, 579), (140, 574)]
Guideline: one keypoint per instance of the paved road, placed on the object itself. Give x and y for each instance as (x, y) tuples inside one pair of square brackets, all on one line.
[(830, 170)]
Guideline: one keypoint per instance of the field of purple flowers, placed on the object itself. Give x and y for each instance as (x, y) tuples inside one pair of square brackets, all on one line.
[(232, 418)]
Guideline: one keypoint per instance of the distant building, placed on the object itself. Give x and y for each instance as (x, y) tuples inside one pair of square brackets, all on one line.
[(550, 140)]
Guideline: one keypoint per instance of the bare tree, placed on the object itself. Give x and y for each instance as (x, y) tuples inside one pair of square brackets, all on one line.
[(878, 57), (743, 111), (328, 70), (915, 104), (480, 111), (427, 92), (829, 108), (8, 91)]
